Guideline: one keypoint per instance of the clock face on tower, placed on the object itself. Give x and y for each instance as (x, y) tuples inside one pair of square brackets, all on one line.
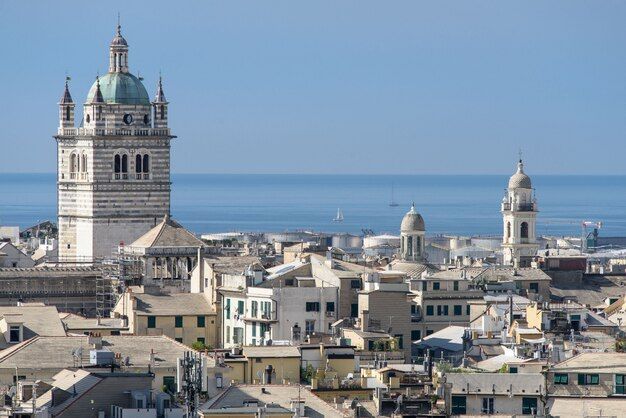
[(128, 119)]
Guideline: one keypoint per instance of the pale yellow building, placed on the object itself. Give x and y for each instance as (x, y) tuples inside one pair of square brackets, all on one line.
[(185, 317)]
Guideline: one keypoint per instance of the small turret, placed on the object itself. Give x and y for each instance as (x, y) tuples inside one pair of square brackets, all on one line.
[(94, 116), (118, 53), (160, 107), (66, 108)]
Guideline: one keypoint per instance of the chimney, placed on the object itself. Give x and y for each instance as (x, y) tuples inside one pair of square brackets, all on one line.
[(510, 311)]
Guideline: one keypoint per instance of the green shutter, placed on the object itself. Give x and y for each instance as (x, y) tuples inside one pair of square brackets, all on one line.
[(581, 379)]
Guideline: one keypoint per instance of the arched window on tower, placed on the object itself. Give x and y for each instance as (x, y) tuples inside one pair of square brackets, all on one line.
[(73, 163), (146, 163), (83, 163), (409, 246), (524, 230), (99, 113), (162, 109), (67, 113), (117, 165), (138, 163), (124, 163), (508, 230)]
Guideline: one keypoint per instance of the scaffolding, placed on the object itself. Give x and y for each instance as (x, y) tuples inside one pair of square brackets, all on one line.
[(118, 272)]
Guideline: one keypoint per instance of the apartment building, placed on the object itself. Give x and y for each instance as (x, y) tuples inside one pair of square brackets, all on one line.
[(187, 318)]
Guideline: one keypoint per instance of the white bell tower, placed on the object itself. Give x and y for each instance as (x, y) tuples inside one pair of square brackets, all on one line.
[(519, 213)]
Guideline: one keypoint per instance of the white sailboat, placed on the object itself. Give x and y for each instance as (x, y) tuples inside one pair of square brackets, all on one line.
[(392, 203), (339, 217)]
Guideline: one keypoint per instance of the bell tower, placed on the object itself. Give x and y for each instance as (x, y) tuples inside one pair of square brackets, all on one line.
[(519, 216), (113, 171)]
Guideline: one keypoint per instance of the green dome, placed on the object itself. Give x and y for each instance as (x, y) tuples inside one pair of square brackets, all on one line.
[(122, 88)]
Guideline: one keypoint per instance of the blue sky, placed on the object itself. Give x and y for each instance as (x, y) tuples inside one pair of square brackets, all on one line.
[(406, 87)]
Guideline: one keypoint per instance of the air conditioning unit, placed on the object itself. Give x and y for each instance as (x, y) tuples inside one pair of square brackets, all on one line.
[(101, 357)]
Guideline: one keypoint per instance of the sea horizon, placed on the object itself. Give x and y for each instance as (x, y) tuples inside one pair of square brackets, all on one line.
[(450, 203)]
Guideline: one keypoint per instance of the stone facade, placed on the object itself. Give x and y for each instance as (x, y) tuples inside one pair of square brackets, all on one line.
[(113, 171)]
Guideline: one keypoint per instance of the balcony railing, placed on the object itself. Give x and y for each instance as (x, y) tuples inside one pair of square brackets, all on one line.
[(519, 207), (113, 132)]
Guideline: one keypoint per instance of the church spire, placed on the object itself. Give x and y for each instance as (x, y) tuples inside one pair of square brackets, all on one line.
[(160, 96), (67, 97), (97, 98), (118, 52)]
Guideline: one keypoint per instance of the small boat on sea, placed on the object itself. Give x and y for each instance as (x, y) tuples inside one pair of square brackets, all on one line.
[(339, 217), (392, 202)]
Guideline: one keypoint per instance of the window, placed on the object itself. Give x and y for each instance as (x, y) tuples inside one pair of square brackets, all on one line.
[(459, 405), (330, 306), (83, 163), (146, 163), (227, 334), (178, 321), (409, 246), (439, 310), (413, 309), (400, 339), (424, 286), (355, 284), (201, 340), (263, 328), (219, 381), (534, 287), (117, 165), (560, 378), (169, 382), (524, 230), (138, 163), (309, 326), (467, 309), (416, 334), (162, 109), (240, 307), (354, 310), (513, 370), (227, 308), (152, 322), (67, 113), (253, 329), (458, 310), (266, 310), (124, 163), (429, 332), (588, 379), (146, 119), (200, 320), (289, 282), (14, 334), (88, 118), (529, 406), (312, 306), (430, 311), (178, 340), (446, 310), (254, 308), (488, 406), (620, 384), (508, 230), (455, 285), (436, 285)]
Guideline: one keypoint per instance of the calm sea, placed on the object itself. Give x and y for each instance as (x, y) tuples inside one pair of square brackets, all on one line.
[(450, 204)]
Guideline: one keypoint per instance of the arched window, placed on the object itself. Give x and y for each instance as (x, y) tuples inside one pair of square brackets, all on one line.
[(162, 112), (524, 230), (409, 246), (124, 163), (117, 164), (83, 163), (99, 113), (146, 119), (87, 118), (508, 230), (146, 163), (138, 163), (67, 113), (73, 163)]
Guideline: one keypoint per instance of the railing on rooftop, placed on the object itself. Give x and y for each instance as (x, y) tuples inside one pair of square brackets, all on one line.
[(114, 132), (519, 207)]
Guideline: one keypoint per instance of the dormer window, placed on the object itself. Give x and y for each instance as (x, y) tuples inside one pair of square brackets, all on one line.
[(15, 333)]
